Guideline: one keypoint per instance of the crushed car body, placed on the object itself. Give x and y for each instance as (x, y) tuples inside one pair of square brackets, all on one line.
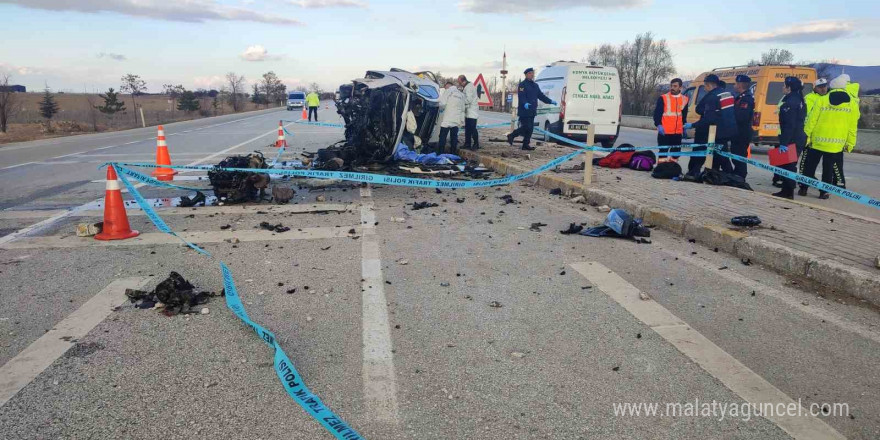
[(382, 111)]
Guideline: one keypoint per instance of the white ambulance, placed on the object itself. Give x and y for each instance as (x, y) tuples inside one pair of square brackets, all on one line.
[(586, 94)]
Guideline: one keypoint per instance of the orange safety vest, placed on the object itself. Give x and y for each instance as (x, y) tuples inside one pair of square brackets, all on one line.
[(672, 107)]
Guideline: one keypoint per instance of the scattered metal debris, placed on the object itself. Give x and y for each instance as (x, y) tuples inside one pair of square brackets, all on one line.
[(89, 229), (174, 295)]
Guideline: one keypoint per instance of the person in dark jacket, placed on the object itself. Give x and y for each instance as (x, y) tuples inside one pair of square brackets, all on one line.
[(716, 108), (744, 111), (529, 94), (792, 115)]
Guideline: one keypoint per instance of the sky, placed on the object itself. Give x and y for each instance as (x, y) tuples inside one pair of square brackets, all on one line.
[(88, 45)]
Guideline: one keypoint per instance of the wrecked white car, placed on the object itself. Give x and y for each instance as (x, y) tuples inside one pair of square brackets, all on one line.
[(383, 110)]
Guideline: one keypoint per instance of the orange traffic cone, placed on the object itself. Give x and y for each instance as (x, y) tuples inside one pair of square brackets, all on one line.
[(116, 225), (163, 158), (305, 113), (281, 142)]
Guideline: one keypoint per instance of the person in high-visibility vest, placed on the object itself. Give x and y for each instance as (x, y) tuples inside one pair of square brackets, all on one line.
[(831, 128), (313, 101), (744, 110), (669, 116), (820, 89)]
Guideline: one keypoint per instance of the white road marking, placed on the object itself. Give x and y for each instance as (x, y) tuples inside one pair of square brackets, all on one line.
[(16, 166), (380, 382), (790, 300), (732, 373), (197, 237), (52, 220), (33, 360)]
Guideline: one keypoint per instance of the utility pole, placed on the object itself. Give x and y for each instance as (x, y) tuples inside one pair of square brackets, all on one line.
[(504, 81)]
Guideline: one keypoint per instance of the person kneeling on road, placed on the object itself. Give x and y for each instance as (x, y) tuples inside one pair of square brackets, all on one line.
[(528, 95), (452, 102), (792, 114)]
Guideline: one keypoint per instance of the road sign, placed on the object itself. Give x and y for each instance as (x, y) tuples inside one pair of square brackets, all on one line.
[(484, 98), (510, 97)]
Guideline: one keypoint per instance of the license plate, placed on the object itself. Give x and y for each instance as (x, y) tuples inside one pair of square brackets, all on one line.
[(578, 127)]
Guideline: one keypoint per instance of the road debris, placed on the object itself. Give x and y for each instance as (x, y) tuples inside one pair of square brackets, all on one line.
[(518, 355), (198, 199), (239, 186), (556, 192), (89, 229), (175, 295), (644, 296), (508, 199), (603, 208), (746, 220), (495, 304), (536, 227), (573, 228), (274, 228), (423, 205), (619, 224), (282, 194)]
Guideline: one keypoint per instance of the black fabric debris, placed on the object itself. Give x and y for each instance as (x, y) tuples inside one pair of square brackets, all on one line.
[(422, 205), (746, 220), (176, 293), (746, 261), (715, 177), (573, 228), (225, 227), (537, 226), (459, 200), (274, 228), (508, 199), (556, 192), (198, 199)]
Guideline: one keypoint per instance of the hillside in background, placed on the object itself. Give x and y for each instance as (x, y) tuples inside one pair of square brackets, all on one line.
[(867, 76)]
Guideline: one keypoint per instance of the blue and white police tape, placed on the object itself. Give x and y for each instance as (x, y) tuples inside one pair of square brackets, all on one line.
[(287, 373), (495, 125), (683, 153), (277, 156), (800, 178), (586, 147), (377, 179), (317, 124)]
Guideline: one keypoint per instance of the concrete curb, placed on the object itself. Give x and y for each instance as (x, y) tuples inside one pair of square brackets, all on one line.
[(836, 276)]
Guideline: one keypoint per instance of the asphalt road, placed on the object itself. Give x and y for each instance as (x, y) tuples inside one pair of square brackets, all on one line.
[(454, 322)]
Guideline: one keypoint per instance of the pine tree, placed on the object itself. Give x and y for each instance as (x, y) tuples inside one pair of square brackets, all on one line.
[(48, 108), (112, 104), (188, 102)]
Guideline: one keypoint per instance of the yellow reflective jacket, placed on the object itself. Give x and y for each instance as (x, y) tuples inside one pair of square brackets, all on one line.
[(313, 100), (811, 99), (833, 123)]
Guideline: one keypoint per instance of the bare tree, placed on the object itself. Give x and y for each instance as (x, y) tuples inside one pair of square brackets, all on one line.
[(93, 111), (135, 85), (272, 88), (642, 65), (315, 87), (604, 55), (7, 102), (774, 57), (236, 90)]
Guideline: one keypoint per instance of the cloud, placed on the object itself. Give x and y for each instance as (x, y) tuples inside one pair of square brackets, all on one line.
[(535, 18), (521, 6), (209, 82), (462, 26), (257, 53), (19, 70), (112, 56), (319, 4), (193, 11), (809, 32)]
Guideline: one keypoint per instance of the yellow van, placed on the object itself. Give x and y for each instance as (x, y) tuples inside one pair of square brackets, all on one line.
[(767, 82)]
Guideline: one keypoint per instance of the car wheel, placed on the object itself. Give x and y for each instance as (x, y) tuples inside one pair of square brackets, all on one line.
[(547, 137)]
